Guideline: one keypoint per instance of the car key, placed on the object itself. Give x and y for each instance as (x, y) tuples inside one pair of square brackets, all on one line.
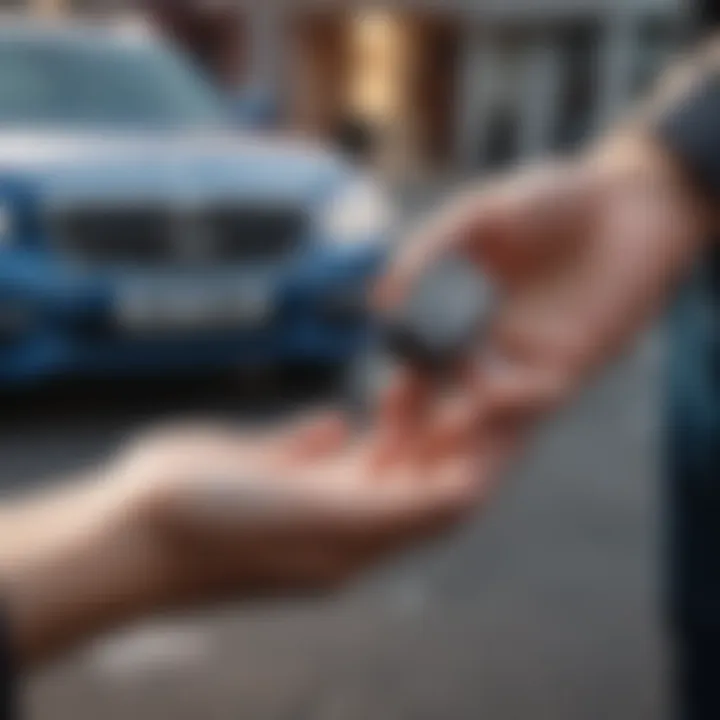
[(442, 319), (443, 316)]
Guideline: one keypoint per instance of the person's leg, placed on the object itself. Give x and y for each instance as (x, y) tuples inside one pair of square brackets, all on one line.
[(697, 664), (692, 498)]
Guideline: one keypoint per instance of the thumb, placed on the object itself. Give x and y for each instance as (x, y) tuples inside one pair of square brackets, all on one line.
[(469, 227)]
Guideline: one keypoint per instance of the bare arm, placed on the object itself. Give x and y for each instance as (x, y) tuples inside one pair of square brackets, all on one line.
[(75, 564), (196, 515)]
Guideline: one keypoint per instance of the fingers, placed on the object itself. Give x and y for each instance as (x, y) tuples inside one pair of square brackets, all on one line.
[(461, 482), (450, 429), (402, 413), (491, 399), (517, 391), (388, 518), (420, 426), (419, 507), (523, 396)]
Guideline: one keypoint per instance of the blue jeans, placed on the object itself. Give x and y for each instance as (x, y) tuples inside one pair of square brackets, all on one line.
[(697, 663), (693, 507)]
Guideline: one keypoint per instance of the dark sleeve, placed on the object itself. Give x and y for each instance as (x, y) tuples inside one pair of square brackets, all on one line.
[(7, 673), (708, 13), (691, 130)]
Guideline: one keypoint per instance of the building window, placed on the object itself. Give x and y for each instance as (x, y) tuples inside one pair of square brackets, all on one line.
[(504, 99), (577, 103)]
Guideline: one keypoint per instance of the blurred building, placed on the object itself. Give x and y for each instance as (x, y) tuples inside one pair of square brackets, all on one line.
[(436, 83), (468, 83)]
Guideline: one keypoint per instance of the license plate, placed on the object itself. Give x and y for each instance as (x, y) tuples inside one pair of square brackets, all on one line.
[(161, 305)]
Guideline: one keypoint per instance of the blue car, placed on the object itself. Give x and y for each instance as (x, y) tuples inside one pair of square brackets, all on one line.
[(142, 231)]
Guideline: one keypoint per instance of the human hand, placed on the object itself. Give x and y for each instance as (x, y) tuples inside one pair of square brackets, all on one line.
[(302, 509), (187, 516), (581, 254)]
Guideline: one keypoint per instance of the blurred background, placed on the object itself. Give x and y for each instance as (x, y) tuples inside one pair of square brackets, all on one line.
[(190, 231)]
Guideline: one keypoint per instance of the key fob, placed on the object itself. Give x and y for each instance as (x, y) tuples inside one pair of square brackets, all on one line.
[(441, 321), (442, 318)]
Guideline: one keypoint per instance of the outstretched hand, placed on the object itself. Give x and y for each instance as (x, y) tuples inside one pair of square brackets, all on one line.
[(299, 509), (191, 515)]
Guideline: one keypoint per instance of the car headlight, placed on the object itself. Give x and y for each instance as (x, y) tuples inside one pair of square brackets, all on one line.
[(359, 213)]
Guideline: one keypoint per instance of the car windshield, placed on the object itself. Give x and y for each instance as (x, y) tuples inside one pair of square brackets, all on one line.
[(102, 81)]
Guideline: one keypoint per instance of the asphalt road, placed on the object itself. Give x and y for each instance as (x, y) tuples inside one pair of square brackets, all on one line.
[(546, 608)]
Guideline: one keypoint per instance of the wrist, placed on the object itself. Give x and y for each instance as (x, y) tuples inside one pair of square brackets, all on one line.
[(634, 161), (82, 564)]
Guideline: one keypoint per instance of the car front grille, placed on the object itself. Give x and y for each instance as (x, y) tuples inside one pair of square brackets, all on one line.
[(210, 235)]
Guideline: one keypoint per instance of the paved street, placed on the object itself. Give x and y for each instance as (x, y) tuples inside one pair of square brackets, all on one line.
[(544, 609)]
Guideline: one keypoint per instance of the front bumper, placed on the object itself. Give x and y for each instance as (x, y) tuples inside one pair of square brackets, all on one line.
[(56, 321)]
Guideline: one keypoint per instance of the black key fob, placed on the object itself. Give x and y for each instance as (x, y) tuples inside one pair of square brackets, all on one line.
[(440, 323), (442, 318)]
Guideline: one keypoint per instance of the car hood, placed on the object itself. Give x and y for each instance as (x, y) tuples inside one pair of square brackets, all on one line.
[(169, 166)]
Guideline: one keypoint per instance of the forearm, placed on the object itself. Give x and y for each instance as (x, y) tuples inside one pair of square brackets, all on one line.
[(650, 228), (653, 123), (76, 565), (657, 212)]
